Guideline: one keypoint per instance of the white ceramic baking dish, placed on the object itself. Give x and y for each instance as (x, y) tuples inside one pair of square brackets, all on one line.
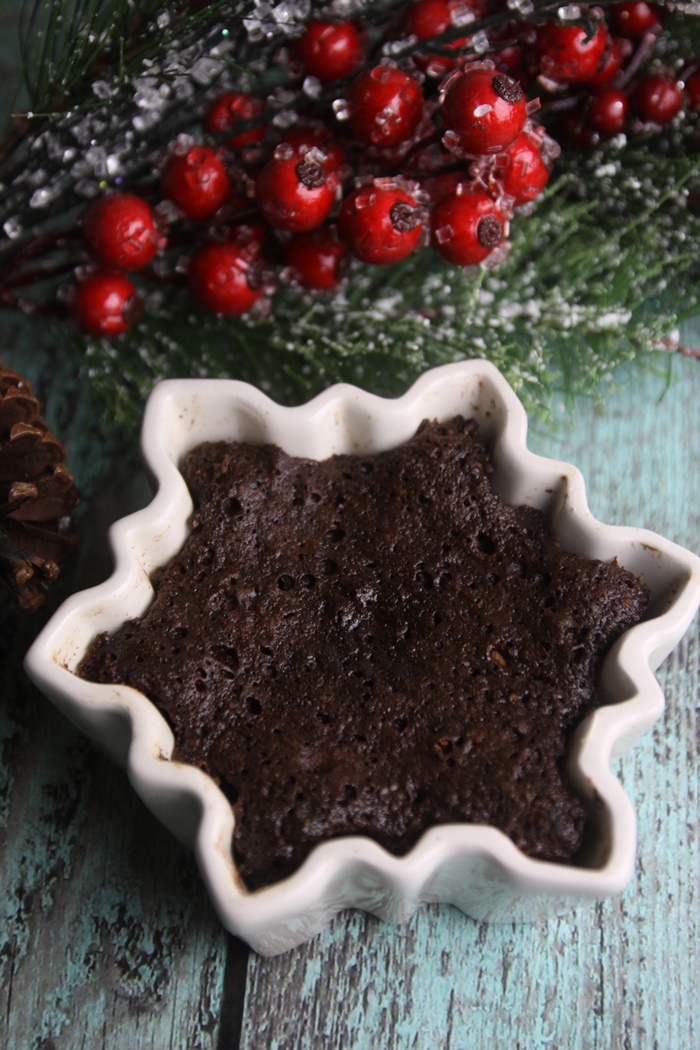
[(476, 868)]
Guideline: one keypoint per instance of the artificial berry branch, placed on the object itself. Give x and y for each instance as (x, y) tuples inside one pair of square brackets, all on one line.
[(338, 160)]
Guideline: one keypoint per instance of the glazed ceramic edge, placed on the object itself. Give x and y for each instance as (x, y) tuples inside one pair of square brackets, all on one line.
[(476, 868)]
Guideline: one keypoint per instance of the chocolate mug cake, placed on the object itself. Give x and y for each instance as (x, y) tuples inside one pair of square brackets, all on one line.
[(373, 645)]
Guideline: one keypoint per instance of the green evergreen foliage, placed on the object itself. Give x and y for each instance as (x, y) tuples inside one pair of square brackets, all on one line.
[(598, 276)]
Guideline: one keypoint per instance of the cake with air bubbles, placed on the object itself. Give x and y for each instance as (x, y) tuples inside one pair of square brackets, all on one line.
[(373, 645), (209, 433)]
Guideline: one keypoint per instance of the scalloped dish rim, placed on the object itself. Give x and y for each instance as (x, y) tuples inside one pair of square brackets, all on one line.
[(476, 868)]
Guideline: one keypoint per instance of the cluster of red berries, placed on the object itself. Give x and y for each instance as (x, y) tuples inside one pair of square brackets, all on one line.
[(438, 149), (602, 93)]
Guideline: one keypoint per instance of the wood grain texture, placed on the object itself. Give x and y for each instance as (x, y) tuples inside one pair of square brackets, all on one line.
[(107, 938)]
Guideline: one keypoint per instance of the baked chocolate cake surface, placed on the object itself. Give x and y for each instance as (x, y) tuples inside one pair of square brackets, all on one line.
[(372, 645)]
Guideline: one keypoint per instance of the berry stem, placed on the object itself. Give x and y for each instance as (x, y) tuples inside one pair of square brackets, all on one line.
[(39, 273), (11, 141), (679, 348), (429, 140), (560, 105), (38, 245), (643, 52), (172, 277), (30, 306)]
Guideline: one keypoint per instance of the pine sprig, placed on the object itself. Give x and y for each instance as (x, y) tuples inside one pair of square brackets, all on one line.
[(63, 44), (601, 272)]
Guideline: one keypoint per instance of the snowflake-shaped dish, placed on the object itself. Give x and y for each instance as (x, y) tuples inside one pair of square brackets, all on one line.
[(476, 868)]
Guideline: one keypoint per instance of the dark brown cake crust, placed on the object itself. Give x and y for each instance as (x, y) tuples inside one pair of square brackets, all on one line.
[(374, 646)]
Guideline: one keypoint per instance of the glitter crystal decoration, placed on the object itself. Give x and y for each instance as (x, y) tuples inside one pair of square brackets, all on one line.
[(385, 106)]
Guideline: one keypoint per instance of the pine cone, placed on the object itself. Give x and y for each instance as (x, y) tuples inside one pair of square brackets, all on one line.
[(37, 492)]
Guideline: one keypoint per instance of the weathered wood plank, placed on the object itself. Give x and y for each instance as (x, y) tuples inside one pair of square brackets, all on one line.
[(107, 938)]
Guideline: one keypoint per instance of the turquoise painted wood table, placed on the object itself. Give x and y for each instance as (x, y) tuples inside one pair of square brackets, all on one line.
[(108, 939)]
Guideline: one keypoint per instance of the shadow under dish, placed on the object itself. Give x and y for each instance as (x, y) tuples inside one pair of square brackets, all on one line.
[(373, 645)]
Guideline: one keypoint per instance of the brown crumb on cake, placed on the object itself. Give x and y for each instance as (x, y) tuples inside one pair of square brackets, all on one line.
[(373, 645)]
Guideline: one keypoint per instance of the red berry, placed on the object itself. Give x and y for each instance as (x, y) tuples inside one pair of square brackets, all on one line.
[(483, 111), (633, 19), (616, 53), (517, 40), (295, 190), (566, 53), (316, 258), (302, 138), (466, 227), (330, 50), (105, 304), (380, 223), (385, 105), (196, 181), (221, 279), (572, 128), (657, 98), (692, 89), (228, 110), (509, 59), (428, 18), (439, 186), (523, 172), (249, 238), (120, 233), (607, 110)]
